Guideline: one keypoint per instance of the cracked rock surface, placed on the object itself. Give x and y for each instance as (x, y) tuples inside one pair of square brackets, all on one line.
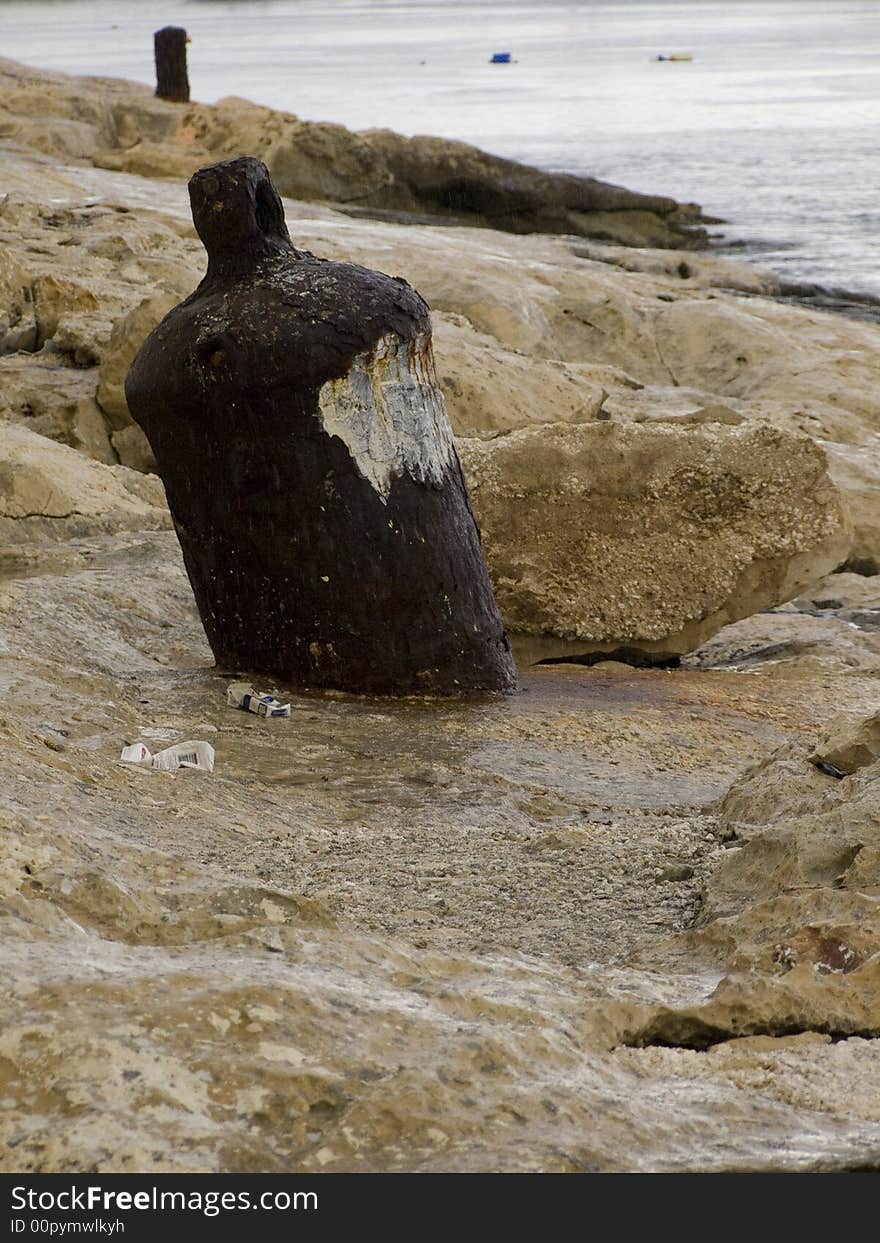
[(408, 934), (619, 921)]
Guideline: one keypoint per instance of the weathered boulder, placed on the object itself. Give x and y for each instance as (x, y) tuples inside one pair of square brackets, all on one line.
[(830, 1001), (458, 180), (320, 159), (603, 536), (133, 449), (721, 346), (56, 400), (789, 912), (781, 786), (490, 389), (856, 471), (69, 275), (785, 637), (802, 829), (848, 745), (128, 335), (49, 491), (844, 591), (18, 325), (797, 896)]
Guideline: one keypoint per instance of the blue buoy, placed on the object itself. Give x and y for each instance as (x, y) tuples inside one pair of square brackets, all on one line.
[(500, 58)]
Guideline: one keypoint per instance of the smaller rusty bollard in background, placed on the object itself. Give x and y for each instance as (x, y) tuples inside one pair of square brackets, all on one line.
[(172, 80), (308, 460)]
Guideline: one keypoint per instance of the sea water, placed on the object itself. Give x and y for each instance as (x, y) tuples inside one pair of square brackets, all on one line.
[(772, 125)]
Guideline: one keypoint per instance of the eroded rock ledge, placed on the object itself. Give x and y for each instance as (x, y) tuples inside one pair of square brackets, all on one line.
[(120, 125)]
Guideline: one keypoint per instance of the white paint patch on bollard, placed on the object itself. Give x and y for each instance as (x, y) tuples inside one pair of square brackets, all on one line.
[(390, 413)]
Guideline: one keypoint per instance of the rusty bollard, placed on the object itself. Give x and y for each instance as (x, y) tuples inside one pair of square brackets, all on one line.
[(304, 444), (172, 80)]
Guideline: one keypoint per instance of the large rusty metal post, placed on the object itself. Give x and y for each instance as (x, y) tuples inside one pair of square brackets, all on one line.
[(304, 444), (172, 80)]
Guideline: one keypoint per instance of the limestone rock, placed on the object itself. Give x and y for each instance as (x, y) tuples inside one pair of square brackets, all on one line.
[(677, 405), (856, 471), (809, 841), (128, 335), (50, 491), (133, 449), (18, 324), (71, 269), (55, 301), (42, 392), (117, 125), (602, 536), (196, 976), (720, 346), (751, 1004), (786, 639), (786, 787), (791, 910), (844, 591), (456, 179), (747, 349), (701, 268), (69, 275), (849, 745), (489, 389)]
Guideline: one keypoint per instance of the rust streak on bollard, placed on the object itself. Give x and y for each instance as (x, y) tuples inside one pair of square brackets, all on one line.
[(172, 81), (295, 415)]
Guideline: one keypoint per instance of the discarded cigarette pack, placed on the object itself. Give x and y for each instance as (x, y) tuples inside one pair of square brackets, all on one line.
[(198, 755), (242, 695)]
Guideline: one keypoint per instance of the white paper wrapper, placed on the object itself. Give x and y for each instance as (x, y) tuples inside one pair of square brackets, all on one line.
[(137, 754), (198, 755), (242, 695)]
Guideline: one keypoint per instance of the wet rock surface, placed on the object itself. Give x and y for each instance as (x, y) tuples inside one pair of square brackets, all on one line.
[(414, 934), (617, 921)]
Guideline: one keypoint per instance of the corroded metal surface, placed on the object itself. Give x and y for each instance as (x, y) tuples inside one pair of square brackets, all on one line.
[(295, 416), (172, 78)]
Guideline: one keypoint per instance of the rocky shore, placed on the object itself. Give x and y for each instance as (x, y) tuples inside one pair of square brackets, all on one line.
[(626, 919), (121, 126)]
